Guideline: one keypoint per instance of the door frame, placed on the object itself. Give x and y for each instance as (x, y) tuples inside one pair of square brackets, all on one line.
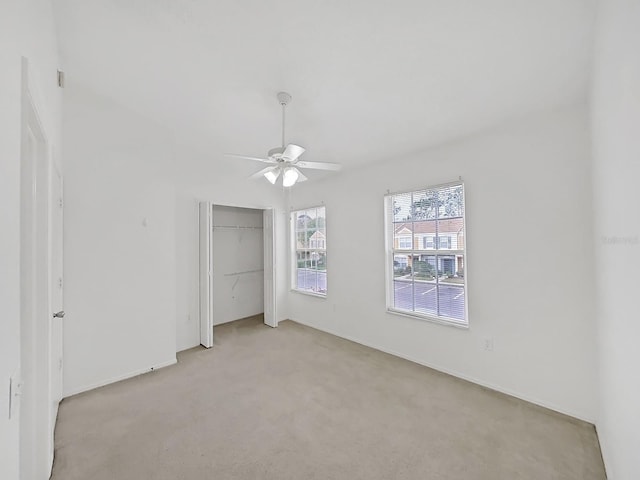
[(36, 425), (270, 305), (204, 265), (56, 288), (205, 269)]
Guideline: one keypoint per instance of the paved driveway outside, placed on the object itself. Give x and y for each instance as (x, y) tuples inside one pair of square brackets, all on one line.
[(450, 298), (314, 280)]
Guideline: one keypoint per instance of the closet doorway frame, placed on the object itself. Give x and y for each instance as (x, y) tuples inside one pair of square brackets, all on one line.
[(205, 265)]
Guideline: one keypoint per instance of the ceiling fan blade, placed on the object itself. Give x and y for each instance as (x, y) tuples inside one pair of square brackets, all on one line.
[(292, 152), (265, 160), (319, 165), (262, 172)]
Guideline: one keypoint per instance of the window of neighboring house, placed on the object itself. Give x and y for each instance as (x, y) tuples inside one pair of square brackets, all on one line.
[(427, 242), (404, 243), (400, 262), (444, 243), (429, 280), (309, 263)]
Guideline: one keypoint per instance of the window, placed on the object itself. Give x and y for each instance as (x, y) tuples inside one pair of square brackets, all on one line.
[(400, 261), (427, 280), (444, 243), (309, 251), (316, 241), (404, 243), (427, 242)]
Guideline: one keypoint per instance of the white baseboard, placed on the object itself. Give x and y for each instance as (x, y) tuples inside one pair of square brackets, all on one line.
[(135, 373), (188, 346), (454, 373)]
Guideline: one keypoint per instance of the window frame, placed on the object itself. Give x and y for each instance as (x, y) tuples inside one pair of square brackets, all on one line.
[(293, 252), (391, 251)]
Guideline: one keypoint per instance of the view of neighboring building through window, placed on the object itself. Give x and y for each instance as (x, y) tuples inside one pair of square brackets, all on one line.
[(426, 252), (309, 248), (404, 242)]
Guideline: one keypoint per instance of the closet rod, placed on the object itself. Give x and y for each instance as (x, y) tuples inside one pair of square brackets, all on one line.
[(243, 273), (236, 226)]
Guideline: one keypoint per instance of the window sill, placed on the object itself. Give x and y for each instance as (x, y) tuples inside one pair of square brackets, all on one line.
[(429, 318), (309, 294)]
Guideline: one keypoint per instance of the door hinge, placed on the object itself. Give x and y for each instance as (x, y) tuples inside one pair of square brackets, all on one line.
[(60, 78), (60, 202), (60, 282)]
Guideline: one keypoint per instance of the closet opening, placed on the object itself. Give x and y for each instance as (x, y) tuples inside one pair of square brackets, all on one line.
[(237, 275)]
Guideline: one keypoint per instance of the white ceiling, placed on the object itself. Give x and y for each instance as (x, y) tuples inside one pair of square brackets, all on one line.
[(370, 79)]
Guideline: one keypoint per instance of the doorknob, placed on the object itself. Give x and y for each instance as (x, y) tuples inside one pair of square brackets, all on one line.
[(59, 314)]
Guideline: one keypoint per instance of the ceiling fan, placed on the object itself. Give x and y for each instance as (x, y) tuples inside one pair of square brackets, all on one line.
[(286, 161)]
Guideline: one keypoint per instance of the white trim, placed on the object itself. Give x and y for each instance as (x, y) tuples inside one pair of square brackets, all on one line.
[(270, 300), (205, 273), (310, 293), (428, 318), (388, 252), (254, 206), (270, 275), (32, 77), (35, 118), (453, 373), (119, 378), (430, 187)]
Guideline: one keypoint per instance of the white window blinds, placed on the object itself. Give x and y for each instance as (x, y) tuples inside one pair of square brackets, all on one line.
[(426, 253), (309, 250)]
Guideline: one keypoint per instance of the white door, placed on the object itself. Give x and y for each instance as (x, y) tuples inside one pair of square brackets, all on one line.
[(35, 438), (268, 223), (28, 305), (206, 274), (57, 298)]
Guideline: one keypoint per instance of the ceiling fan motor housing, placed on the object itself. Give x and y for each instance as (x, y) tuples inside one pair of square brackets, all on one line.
[(276, 153), (284, 98)]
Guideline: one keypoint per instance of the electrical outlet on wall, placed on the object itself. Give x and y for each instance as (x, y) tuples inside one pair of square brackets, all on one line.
[(487, 344)]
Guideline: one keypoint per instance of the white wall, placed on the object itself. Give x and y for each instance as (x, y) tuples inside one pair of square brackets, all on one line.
[(119, 244), (530, 288), (26, 29), (237, 250), (616, 170), (132, 290)]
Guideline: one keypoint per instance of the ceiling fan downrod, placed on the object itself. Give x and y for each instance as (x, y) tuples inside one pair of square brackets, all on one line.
[(284, 98)]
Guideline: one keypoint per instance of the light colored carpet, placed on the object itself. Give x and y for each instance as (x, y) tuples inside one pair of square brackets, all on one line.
[(296, 403)]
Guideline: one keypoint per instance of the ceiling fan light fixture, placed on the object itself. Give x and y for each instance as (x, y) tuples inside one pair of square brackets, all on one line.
[(289, 177), (272, 176), (283, 160)]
